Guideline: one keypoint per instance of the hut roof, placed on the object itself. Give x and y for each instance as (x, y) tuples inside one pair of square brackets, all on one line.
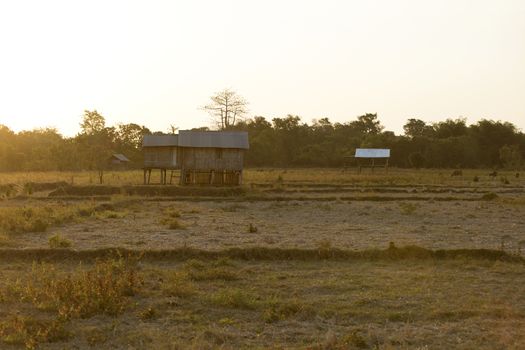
[(214, 139), (120, 156), (372, 153), (160, 140), (205, 139)]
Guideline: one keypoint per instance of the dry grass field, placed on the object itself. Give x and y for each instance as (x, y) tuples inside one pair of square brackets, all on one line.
[(295, 259)]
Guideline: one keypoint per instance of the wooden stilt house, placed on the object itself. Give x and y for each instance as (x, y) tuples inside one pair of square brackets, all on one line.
[(203, 157)]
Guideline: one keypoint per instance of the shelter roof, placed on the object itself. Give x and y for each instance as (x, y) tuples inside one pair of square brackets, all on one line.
[(120, 157), (372, 153)]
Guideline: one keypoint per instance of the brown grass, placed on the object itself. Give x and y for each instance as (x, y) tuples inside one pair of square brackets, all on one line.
[(293, 304), (104, 289)]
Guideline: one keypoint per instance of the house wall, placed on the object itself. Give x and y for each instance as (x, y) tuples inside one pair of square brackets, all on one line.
[(161, 157), (207, 159)]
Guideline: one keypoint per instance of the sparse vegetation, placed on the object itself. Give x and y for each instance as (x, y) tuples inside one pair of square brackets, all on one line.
[(104, 289), (310, 276), (325, 299), (38, 218)]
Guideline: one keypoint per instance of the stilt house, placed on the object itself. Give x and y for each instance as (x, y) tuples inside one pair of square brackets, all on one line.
[(203, 157)]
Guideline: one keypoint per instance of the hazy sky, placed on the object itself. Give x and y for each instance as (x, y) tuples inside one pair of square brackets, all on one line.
[(156, 62)]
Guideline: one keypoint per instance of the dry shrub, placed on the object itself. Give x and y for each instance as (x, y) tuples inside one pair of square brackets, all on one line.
[(103, 289), (27, 331), (174, 224), (39, 218)]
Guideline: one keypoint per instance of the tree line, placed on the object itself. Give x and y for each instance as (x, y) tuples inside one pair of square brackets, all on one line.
[(448, 144), (281, 142)]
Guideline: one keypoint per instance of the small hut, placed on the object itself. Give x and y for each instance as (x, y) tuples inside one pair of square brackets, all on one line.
[(203, 157), (118, 161), (372, 158)]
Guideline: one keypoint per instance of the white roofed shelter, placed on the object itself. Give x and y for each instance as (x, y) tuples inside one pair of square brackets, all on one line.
[(372, 157)]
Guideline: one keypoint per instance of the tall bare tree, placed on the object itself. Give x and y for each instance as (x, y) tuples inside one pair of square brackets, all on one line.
[(226, 108)]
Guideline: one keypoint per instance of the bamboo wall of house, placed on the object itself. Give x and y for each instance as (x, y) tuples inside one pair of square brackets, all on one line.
[(161, 157), (208, 159)]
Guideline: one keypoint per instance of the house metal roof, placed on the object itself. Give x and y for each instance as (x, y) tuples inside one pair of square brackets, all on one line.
[(206, 139), (160, 140), (214, 139), (120, 157), (372, 153)]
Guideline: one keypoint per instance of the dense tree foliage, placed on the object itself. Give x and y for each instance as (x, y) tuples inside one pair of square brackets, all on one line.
[(282, 142), (451, 143)]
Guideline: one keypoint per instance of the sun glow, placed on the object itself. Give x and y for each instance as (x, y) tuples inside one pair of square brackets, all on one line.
[(157, 62)]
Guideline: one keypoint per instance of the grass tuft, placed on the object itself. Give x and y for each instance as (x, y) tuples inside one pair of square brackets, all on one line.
[(234, 298), (252, 228), (489, 196), (57, 241)]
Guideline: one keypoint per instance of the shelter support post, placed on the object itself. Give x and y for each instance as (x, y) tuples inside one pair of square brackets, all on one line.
[(212, 177)]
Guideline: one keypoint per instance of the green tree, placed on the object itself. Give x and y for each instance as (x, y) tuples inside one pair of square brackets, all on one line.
[(451, 128), (92, 122), (96, 142), (417, 128), (368, 124)]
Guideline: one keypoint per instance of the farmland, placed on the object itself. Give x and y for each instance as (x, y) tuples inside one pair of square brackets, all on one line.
[(296, 258)]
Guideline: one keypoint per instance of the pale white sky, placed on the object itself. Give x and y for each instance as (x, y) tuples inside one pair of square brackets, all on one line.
[(156, 62)]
